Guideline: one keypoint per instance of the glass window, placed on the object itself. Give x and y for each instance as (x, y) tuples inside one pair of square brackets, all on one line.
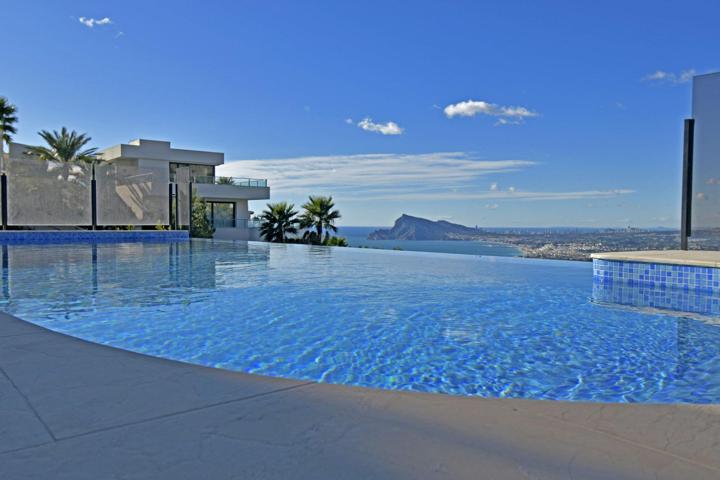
[(202, 170), (222, 214)]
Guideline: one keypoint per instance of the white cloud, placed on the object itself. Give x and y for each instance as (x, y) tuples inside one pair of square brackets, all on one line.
[(372, 172), (363, 177), (494, 187), (91, 22), (349, 121), (661, 76), (389, 128), (516, 195), (470, 108)]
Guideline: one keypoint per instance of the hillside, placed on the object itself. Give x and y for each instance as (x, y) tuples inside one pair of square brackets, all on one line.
[(408, 227)]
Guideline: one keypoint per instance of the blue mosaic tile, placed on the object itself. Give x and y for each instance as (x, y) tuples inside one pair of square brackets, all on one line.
[(15, 237), (675, 287)]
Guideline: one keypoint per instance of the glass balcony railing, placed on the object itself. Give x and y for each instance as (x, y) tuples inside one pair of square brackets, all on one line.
[(233, 223), (236, 181), (219, 180)]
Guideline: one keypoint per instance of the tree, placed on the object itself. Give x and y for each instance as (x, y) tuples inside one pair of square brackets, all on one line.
[(278, 220), (200, 224), (8, 119), (319, 215), (66, 148)]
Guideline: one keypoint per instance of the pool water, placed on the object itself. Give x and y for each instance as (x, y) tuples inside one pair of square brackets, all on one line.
[(455, 324)]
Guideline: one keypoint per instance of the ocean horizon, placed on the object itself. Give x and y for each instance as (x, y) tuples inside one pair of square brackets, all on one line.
[(358, 237)]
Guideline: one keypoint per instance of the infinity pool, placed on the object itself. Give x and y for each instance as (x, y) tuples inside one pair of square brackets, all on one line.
[(456, 324)]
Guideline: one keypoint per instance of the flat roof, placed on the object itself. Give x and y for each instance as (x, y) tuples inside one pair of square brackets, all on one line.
[(161, 150), (697, 258)]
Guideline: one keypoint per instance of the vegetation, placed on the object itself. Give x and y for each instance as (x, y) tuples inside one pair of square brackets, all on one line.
[(225, 181), (200, 224), (319, 216), (8, 119), (64, 147), (336, 242), (278, 221)]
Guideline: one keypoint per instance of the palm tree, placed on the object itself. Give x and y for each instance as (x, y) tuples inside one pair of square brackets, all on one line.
[(278, 221), (8, 119), (320, 215), (66, 148)]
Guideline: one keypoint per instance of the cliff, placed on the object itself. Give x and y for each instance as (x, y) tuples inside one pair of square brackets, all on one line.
[(415, 228)]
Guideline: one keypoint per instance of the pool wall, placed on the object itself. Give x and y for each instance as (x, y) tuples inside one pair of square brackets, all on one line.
[(688, 288), (84, 236)]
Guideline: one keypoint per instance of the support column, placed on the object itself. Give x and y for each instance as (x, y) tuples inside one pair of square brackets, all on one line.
[(686, 213), (178, 221), (4, 195), (190, 206), (93, 203), (172, 217)]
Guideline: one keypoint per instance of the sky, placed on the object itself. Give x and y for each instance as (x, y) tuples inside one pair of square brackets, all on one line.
[(489, 113)]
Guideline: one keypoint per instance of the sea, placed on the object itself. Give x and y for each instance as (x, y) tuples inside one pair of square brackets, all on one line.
[(358, 237)]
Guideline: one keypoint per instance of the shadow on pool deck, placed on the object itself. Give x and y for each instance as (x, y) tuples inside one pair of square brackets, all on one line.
[(70, 409)]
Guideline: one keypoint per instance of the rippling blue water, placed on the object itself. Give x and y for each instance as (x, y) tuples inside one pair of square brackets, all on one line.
[(458, 324)]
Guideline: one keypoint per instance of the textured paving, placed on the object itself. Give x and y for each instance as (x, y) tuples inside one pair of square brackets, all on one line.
[(75, 410)]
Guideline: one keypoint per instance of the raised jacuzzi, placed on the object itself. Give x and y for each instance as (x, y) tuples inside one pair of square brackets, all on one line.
[(680, 280)]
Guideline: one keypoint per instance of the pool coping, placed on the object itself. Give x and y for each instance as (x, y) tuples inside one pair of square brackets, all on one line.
[(76, 409)]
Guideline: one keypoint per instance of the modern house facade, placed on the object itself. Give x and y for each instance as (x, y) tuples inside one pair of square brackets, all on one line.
[(227, 197), (143, 184)]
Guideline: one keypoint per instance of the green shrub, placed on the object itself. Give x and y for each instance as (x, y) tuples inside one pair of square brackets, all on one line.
[(200, 224), (336, 242)]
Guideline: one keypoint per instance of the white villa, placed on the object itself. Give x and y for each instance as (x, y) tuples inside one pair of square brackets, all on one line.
[(227, 197), (142, 184)]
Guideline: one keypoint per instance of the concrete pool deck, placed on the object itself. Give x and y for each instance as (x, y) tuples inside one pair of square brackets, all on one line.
[(70, 409)]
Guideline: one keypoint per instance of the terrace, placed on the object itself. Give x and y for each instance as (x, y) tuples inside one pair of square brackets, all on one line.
[(74, 409)]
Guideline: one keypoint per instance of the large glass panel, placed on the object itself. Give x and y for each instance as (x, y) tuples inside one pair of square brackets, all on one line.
[(222, 214), (202, 170), (129, 194), (705, 231), (44, 193)]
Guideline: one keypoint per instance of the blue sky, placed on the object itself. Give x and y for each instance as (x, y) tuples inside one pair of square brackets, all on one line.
[(506, 113)]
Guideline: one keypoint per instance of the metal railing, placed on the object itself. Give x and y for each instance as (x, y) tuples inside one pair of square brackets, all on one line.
[(219, 180), (235, 181)]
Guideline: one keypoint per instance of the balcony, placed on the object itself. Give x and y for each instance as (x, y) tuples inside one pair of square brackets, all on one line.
[(235, 181), (231, 188)]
